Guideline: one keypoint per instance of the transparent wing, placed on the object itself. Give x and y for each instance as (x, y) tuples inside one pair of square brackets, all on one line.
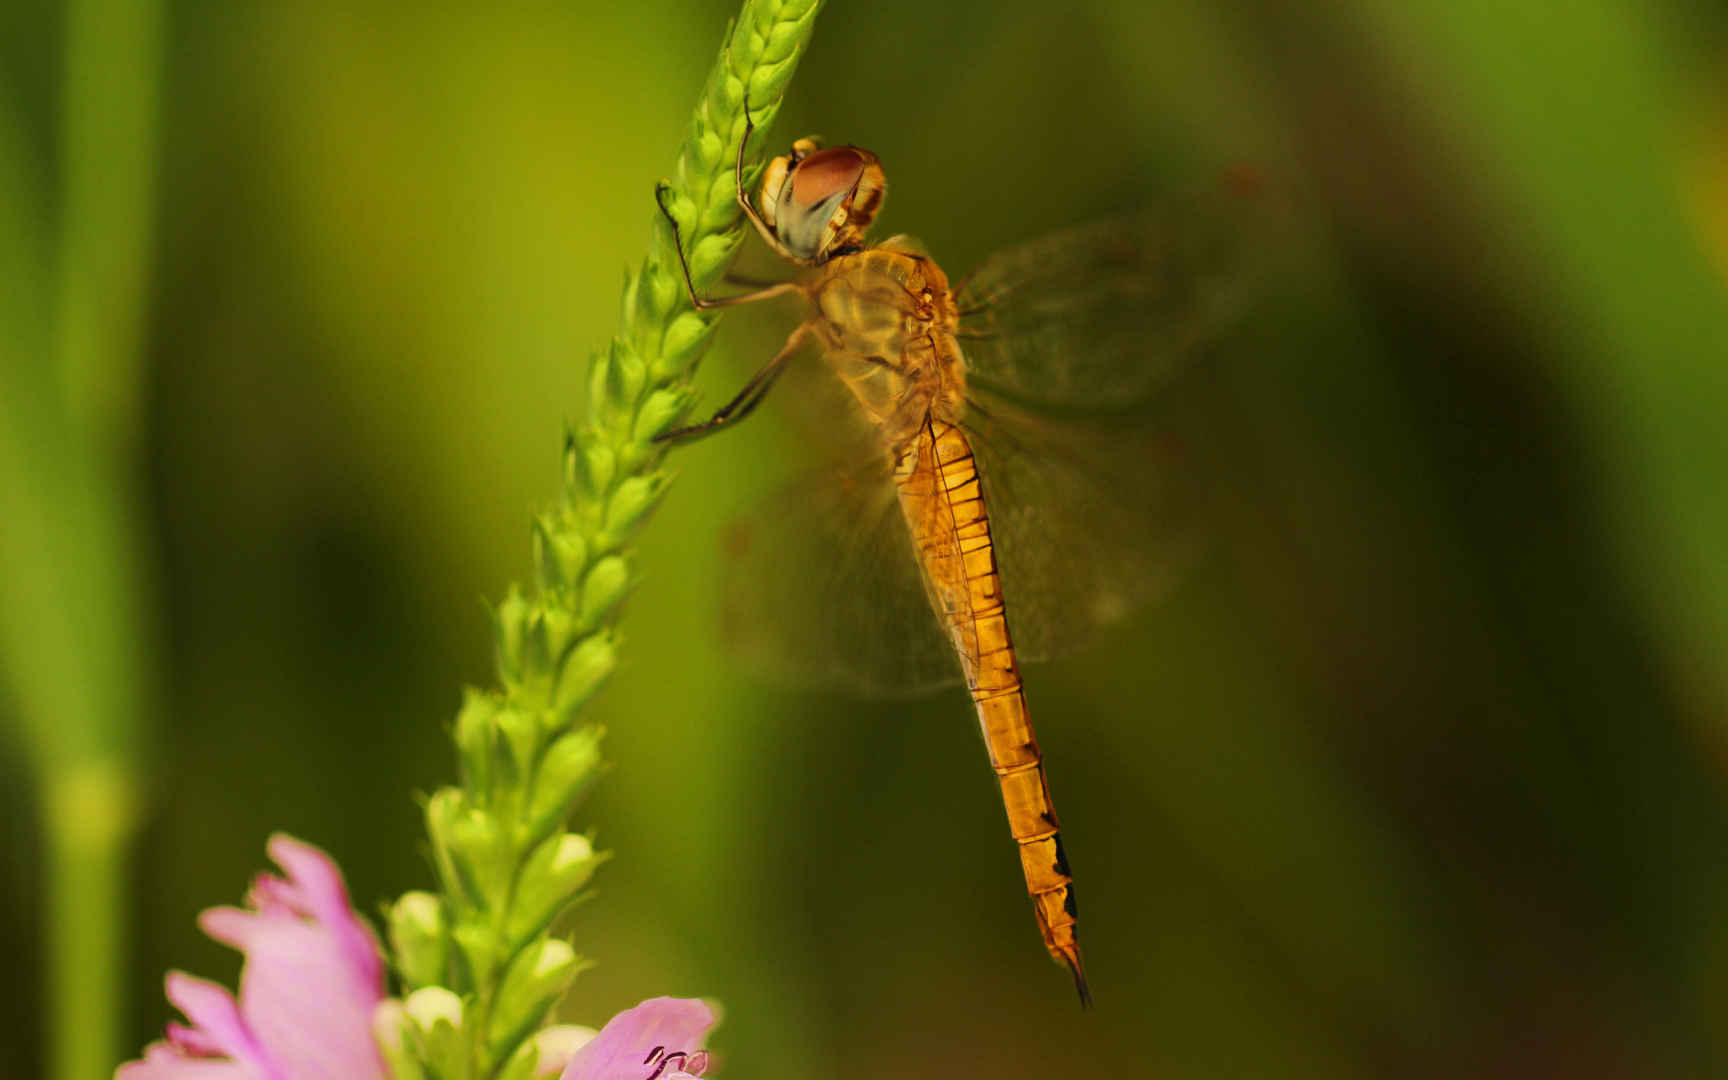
[(1092, 521), (822, 587), (1076, 350), (1102, 315), (822, 590)]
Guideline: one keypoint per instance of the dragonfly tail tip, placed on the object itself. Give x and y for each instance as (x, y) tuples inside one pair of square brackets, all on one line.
[(1072, 959)]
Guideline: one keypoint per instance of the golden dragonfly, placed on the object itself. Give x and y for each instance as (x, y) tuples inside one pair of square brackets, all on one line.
[(965, 485)]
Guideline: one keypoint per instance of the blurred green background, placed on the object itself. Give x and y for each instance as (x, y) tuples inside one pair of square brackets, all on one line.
[(1420, 773)]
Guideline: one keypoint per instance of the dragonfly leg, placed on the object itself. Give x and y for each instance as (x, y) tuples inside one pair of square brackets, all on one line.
[(704, 303), (746, 400), (883, 361), (744, 202), (747, 281)]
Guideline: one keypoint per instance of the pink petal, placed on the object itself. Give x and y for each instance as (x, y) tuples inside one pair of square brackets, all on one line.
[(312, 977), (318, 884), (162, 1062), (214, 1014), (270, 895), (192, 1042), (229, 925), (624, 1046), (302, 995)]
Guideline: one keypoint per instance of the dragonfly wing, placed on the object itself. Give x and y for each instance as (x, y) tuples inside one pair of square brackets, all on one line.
[(1091, 521), (1101, 315), (1091, 508), (822, 586)]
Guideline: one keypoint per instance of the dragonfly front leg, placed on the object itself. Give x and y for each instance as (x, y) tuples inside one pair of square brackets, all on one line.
[(705, 303), (744, 202), (746, 400)]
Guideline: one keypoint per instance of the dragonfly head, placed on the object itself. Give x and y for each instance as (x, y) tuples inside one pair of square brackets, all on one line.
[(819, 202)]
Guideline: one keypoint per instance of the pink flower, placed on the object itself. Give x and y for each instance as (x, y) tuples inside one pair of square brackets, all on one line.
[(312, 977), (660, 1039)]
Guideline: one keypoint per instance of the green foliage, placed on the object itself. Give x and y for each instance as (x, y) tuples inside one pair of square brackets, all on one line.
[(507, 864), (74, 642)]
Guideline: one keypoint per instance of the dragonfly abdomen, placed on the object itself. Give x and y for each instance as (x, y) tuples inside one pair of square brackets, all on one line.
[(942, 497)]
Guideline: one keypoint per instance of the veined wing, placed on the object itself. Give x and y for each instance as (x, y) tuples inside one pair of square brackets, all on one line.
[(1076, 348), (822, 585), (1099, 316), (1090, 521)]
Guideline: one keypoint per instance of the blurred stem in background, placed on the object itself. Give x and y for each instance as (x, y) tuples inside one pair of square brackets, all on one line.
[(72, 628)]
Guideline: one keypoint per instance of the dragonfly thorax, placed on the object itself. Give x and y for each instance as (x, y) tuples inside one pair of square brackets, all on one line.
[(887, 318), (819, 203)]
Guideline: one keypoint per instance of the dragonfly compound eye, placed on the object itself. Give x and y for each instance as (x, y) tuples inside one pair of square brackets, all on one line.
[(825, 201), (825, 174)]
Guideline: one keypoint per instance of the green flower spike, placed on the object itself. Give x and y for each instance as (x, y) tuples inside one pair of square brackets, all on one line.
[(480, 967)]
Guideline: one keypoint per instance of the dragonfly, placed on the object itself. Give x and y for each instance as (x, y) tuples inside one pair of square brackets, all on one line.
[(963, 484)]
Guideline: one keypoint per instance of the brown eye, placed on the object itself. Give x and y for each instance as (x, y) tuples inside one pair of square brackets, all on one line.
[(825, 174)]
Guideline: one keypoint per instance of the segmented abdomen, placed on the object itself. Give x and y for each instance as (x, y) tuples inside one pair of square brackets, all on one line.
[(942, 498)]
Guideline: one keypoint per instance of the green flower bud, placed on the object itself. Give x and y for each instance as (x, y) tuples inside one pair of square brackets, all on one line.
[(474, 736), (687, 334), (570, 765), (469, 847), (580, 484), (709, 256), (632, 502), (599, 464), (583, 672), (482, 850), (663, 409), (535, 981), (521, 731), (710, 151), (524, 1064), (625, 375), (417, 938), (433, 1005), (627, 295), (556, 632), (436, 1017), (397, 1040), (599, 382), (560, 556), (443, 810), (558, 1042), (510, 620), (664, 290), (553, 874), (478, 947), (547, 1053), (604, 588)]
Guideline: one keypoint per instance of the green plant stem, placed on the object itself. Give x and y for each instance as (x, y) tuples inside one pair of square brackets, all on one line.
[(524, 759), (90, 813), (84, 640)]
